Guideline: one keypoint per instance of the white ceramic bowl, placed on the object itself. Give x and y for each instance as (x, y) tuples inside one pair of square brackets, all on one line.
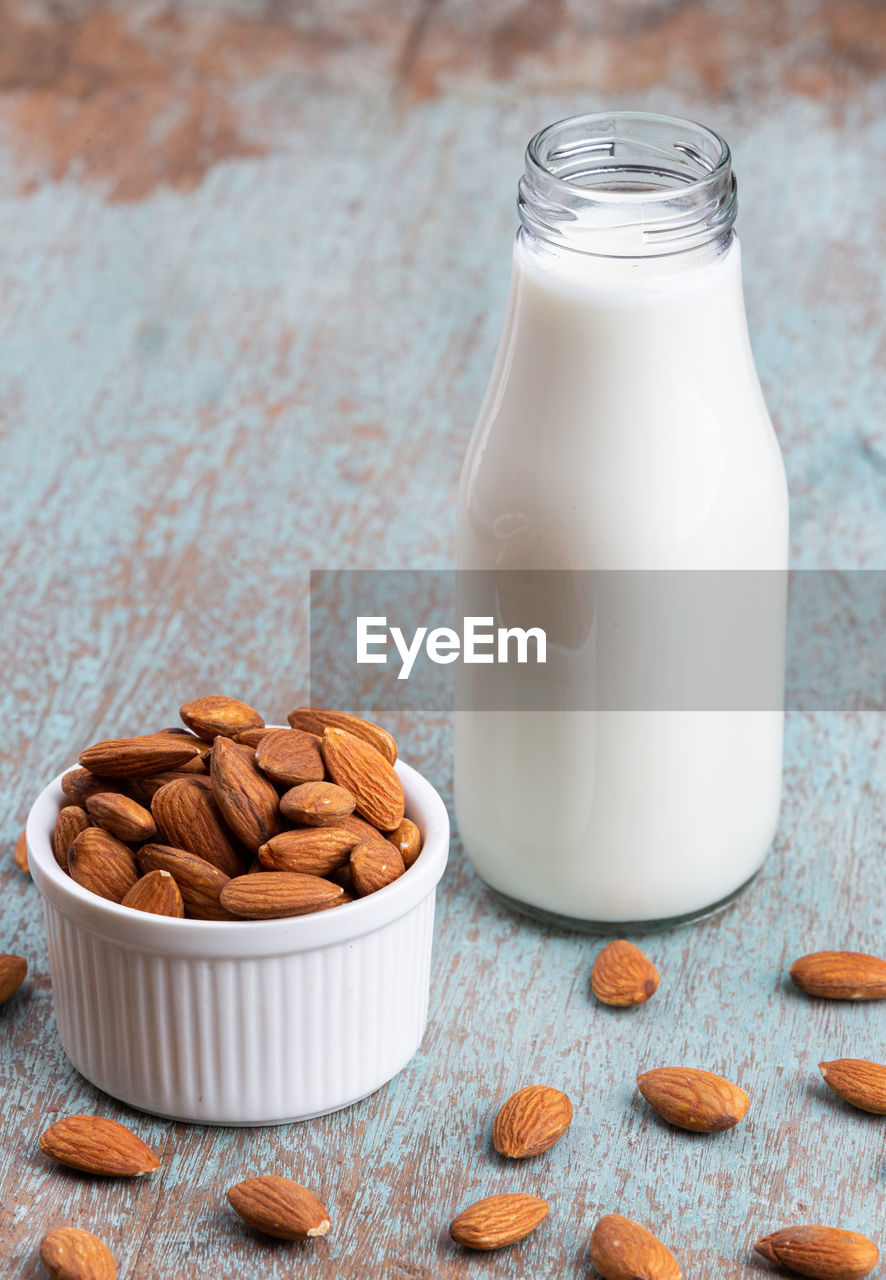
[(246, 1022)]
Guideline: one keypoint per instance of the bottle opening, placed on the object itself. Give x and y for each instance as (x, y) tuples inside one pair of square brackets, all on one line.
[(628, 184)]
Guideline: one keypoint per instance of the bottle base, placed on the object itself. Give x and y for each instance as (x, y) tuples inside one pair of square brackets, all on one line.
[(620, 927)]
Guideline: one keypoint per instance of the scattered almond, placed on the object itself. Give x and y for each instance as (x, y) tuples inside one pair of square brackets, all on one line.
[(13, 970), (824, 1253), (406, 839), (102, 863), (315, 851), (69, 1253), (137, 757), (623, 1250), (691, 1099), (279, 1207), (841, 975), (290, 757), (247, 801), (623, 975), (216, 714), (97, 1145), (318, 719), (124, 817), (374, 864), (316, 804), (278, 893), (199, 882), (68, 825), (531, 1121), (357, 766), (187, 817), (498, 1221), (20, 852), (158, 894), (857, 1081)]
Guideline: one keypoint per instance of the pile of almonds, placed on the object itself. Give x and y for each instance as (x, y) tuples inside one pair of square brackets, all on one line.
[(226, 819)]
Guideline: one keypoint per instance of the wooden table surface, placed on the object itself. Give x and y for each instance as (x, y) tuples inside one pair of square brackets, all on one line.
[(254, 261)]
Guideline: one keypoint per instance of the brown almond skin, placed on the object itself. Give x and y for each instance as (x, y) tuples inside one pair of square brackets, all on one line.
[(103, 864), (290, 757), (218, 714), (98, 1145), (69, 1253), (841, 975), (137, 757), (144, 789), (20, 852), (857, 1081), (247, 801), (279, 1207), (824, 1253), (360, 828), (406, 839), (318, 719), (156, 893), (497, 1221), (124, 817), (13, 970), (272, 894), (70, 822), (77, 784), (621, 1249), (354, 764), (688, 1098), (374, 864), (316, 804), (623, 975), (315, 851), (199, 882), (531, 1121), (252, 737), (187, 817)]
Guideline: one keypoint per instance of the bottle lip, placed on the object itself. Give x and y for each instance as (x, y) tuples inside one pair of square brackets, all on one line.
[(628, 184)]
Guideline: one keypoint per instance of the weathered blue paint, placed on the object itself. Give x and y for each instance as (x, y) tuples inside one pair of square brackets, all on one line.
[(224, 364)]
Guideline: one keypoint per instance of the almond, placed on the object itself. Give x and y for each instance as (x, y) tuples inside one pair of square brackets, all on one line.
[(406, 839), (360, 769), (290, 757), (623, 975), (357, 827), (279, 1207), (144, 789), (841, 975), (77, 784), (98, 1145), (137, 757), (124, 817), (318, 719), (691, 1099), (857, 1081), (248, 803), (316, 804), (158, 894), (20, 852), (252, 737), (531, 1121), (621, 1249), (315, 851), (68, 825), (187, 817), (197, 767), (216, 714), (825, 1253), (199, 882), (498, 1221), (69, 1253), (101, 863), (278, 893), (374, 864), (12, 974)]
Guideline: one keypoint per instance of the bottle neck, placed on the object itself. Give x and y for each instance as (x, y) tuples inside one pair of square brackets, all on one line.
[(629, 186)]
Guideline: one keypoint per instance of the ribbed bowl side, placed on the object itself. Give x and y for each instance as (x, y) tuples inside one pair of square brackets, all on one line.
[(242, 1040)]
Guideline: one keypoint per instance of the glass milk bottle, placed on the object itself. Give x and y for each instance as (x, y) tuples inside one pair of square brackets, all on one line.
[(623, 429)]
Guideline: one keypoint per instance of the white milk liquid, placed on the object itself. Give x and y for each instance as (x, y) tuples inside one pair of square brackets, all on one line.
[(624, 428)]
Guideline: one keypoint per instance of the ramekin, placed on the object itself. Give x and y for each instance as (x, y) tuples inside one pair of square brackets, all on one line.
[(246, 1022)]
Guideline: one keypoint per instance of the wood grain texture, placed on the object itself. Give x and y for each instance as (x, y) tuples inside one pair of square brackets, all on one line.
[(255, 262)]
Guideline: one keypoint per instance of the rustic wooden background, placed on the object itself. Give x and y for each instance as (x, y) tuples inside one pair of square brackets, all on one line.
[(253, 260)]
